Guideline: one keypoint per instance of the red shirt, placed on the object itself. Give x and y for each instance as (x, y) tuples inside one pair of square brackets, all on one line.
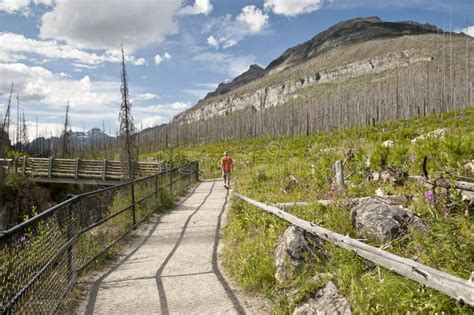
[(226, 164)]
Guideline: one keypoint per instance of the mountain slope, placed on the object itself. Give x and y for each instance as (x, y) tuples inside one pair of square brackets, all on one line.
[(326, 58)]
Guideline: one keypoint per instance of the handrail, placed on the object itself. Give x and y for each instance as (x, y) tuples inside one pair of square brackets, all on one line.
[(51, 210), (455, 287), (51, 244)]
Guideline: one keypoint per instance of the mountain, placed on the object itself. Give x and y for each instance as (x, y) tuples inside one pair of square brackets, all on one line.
[(357, 72), (343, 51), (77, 139), (349, 32)]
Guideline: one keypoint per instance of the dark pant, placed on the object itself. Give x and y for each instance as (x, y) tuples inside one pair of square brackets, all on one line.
[(226, 176)]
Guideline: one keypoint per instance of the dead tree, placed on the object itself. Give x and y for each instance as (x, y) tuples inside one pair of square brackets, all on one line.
[(66, 145), (127, 128), (5, 131)]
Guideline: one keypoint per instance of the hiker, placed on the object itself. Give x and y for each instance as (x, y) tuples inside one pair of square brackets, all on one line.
[(226, 168)]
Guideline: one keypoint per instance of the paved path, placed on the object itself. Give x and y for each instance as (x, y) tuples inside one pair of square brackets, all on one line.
[(173, 269)]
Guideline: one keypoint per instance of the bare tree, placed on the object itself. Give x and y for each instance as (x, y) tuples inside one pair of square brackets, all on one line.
[(127, 128), (66, 145)]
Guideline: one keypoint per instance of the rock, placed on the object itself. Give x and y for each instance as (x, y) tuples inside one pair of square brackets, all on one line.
[(292, 250), (469, 166), (383, 221), (326, 301), (388, 144), (438, 134), (290, 183), (393, 175), (379, 192), (468, 198)]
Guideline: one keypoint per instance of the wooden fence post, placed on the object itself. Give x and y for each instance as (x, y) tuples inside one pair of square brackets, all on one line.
[(76, 171), (156, 185), (171, 179), (50, 167), (24, 166), (104, 166), (339, 176)]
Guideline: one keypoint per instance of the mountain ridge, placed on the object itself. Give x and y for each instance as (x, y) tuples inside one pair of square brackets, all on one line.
[(346, 32)]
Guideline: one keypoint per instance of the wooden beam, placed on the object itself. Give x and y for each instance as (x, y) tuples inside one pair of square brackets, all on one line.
[(457, 288)]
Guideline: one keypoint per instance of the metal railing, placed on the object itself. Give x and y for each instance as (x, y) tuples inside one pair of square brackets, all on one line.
[(42, 258)]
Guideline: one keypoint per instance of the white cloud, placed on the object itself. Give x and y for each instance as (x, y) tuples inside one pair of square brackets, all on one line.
[(213, 42), (154, 115), (253, 18), (21, 6), (468, 31), (199, 93), (292, 7), (230, 64), (149, 122), (211, 86), (14, 46), (106, 24), (146, 97), (200, 7), (159, 59), (39, 85), (227, 31)]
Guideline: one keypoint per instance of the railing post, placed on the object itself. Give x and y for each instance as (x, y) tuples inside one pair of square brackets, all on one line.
[(156, 185), (132, 176), (171, 180), (104, 166), (134, 219), (76, 171), (70, 235), (24, 166), (50, 167)]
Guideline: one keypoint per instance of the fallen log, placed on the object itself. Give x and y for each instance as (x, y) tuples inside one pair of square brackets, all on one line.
[(444, 183), (460, 289)]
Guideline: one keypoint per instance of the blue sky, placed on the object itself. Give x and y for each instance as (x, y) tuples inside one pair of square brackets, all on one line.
[(177, 50)]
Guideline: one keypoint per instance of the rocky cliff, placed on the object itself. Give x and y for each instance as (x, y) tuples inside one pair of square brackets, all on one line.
[(344, 51)]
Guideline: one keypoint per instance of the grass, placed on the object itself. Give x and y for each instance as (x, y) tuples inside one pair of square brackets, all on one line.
[(262, 169)]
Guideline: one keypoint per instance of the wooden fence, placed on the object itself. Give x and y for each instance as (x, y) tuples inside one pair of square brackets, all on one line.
[(77, 171), (460, 289)]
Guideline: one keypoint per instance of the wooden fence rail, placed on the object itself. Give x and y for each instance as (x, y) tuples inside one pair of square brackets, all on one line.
[(460, 289), (77, 171)]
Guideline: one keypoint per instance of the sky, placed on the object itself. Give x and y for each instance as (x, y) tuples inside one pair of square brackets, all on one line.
[(59, 51)]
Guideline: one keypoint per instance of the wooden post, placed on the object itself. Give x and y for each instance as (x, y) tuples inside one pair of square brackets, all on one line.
[(50, 167), (156, 186), (339, 176), (104, 166), (24, 166), (76, 171), (171, 180)]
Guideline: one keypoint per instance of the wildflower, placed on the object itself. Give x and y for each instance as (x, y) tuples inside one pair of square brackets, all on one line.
[(430, 197)]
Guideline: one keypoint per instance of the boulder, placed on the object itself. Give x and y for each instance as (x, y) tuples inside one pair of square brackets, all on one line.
[(326, 301), (383, 221), (294, 247), (438, 133), (393, 175), (388, 144), (469, 166)]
